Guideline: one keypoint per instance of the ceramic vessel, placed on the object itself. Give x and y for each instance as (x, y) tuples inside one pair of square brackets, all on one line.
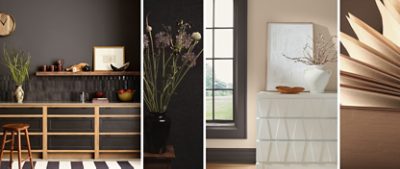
[(317, 78), (157, 127), (19, 94)]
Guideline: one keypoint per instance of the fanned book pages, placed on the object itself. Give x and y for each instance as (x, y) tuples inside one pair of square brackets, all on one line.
[(370, 75)]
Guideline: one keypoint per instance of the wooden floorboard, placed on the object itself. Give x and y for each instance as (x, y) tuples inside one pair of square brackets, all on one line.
[(231, 166)]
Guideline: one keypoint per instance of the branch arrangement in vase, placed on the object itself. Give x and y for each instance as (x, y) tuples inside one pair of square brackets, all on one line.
[(322, 52), (168, 57), (317, 56), (18, 63)]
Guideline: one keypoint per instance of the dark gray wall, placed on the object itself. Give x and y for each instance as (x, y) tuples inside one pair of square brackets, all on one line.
[(366, 10), (186, 108), (68, 29)]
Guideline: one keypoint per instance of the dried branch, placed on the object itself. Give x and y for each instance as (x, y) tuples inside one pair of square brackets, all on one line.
[(324, 52)]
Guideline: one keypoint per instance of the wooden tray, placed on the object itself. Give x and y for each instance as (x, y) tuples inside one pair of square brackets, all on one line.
[(289, 90)]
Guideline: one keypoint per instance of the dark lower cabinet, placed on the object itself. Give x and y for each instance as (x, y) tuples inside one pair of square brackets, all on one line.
[(120, 142), (120, 111), (35, 123), (119, 125), (36, 142), (70, 125), (72, 128), (21, 111), (70, 142), (87, 111)]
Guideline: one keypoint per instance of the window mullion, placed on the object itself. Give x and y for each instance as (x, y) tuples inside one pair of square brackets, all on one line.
[(213, 63)]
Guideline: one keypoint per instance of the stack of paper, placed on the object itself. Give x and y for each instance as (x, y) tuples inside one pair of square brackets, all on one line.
[(370, 75)]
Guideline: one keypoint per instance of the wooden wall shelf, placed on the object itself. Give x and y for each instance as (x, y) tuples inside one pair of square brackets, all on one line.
[(93, 73)]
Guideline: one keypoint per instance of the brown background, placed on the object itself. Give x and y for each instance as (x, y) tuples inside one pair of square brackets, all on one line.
[(366, 10), (370, 138)]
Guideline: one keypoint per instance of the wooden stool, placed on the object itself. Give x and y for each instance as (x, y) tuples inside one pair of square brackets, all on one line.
[(16, 128)]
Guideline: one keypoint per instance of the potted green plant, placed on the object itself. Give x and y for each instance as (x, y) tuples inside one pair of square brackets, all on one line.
[(18, 63), (168, 57)]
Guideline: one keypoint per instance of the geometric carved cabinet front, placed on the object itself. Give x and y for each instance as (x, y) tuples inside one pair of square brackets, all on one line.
[(296, 130)]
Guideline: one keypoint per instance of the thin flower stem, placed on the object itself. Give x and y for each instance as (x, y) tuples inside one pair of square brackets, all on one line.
[(164, 74)]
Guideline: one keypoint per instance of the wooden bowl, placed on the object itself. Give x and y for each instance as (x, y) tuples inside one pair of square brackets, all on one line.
[(289, 90)]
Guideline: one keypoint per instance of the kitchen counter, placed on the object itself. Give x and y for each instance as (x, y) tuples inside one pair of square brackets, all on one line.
[(67, 104)]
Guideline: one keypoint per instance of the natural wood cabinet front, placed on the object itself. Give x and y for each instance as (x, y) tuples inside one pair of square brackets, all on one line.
[(78, 128)]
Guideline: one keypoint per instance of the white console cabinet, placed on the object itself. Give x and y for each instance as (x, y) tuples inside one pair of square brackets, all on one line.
[(296, 130)]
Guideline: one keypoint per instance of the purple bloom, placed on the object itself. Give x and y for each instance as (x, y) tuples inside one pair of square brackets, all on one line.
[(146, 41), (185, 40), (191, 58), (163, 39)]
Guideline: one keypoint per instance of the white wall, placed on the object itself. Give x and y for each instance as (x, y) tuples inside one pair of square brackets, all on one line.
[(319, 12)]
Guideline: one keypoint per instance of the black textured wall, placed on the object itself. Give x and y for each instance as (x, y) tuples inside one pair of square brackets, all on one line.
[(68, 89), (186, 108), (69, 29)]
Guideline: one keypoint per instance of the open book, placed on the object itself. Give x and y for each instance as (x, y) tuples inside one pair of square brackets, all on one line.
[(370, 75)]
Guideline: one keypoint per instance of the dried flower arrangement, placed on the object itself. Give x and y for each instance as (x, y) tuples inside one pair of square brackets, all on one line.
[(167, 59), (324, 52)]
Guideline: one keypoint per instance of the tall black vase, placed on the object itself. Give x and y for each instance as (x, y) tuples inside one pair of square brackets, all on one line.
[(156, 132)]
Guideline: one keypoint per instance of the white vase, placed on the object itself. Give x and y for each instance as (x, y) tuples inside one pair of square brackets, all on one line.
[(316, 78), (19, 94)]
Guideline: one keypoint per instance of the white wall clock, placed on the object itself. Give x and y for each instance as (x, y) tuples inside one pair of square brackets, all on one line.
[(7, 24)]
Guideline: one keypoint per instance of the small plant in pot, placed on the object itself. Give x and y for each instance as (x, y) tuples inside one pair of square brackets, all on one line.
[(168, 57), (18, 63), (317, 56)]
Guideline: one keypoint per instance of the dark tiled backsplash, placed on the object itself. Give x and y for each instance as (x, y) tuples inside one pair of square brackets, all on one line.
[(68, 89)]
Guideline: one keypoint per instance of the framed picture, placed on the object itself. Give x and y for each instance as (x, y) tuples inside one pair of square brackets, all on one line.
[(104, 56), (287, 39)]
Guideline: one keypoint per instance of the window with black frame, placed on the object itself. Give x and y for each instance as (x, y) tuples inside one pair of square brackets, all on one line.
[(225, 52), (219, 60)]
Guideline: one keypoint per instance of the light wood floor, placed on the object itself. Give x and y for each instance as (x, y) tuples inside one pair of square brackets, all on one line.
[(231, 166)]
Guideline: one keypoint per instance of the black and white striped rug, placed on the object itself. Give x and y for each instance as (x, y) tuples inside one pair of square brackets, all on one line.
[(76, 165)]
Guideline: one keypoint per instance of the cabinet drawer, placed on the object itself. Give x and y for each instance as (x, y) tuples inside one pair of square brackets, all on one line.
[(70, 111), (36, 142), (120, 142), (70, 125), (17, 111), (295, 166), (35, 123), (119, 125), (119, 111), (297, 108), (70, 142), (296, 151), (297, 129)]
